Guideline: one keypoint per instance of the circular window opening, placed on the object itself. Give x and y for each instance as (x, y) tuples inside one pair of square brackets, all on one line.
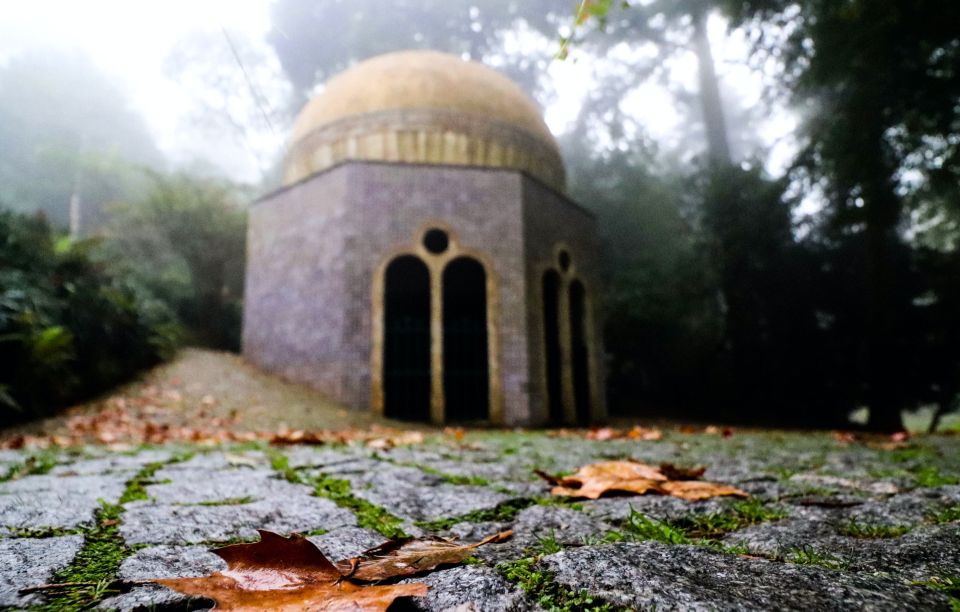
[(564, 259), (436, 241)]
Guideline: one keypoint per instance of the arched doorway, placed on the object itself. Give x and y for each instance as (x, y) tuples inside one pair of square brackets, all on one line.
[(551, 342), (406, 347), (466, 369), (580, 351)]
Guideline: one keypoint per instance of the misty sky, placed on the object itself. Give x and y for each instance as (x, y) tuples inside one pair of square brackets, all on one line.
[(130, 40)]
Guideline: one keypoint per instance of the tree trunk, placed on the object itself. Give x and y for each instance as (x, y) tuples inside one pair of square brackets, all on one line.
[(716, 126)]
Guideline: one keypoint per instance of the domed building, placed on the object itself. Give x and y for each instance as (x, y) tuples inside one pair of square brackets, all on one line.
[(421, 259)]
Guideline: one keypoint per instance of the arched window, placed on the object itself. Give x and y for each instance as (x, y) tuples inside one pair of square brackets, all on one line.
[(580, 351), (406, 347), (551, 340), (466, 370)]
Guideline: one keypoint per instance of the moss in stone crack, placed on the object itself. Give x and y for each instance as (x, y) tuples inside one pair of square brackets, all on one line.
[(230, 501), (41, 532), (872, 531), (455, 479), (931, 476), (95, 566), (137, 486), (947, 515), (947, 584), (741, 514), (546, 592), (368, 515), (338, 491), (808, 556), (502, 512), (638, 527), (37, 463)]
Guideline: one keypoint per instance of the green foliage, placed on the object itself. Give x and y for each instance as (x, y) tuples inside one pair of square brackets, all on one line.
[(186, 241), (947, 515), (71, 322), (369, 516), (95, 567), (872, 531), (741, 514), (808, 556), (503, 512), (547, 593), (639, 527)]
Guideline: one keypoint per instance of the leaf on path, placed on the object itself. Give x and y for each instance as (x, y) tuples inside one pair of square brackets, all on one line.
[(632, 477), (279, 573), (408, 557), (609, 433)]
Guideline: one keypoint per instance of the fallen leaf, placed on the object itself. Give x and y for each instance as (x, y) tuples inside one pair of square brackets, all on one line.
[(279, 573), (632, 477), (405, 558), (673, 472)]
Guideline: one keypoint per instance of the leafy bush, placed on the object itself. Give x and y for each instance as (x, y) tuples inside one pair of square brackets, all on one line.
[(70, 323)]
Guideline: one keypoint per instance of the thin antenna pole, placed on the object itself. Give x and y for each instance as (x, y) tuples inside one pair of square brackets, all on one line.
[(246, 77)]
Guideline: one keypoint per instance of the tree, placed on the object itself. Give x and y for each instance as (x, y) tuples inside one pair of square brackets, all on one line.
[(66, 130), (186, 240), (880, 82)]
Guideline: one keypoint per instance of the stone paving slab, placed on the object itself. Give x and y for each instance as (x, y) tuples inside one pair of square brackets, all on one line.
[(26, 562), (652, 575), (149, 523), (811, 494), (56, 502)]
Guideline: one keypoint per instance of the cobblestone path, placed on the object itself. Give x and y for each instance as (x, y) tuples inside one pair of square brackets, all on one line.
[(830, 525)]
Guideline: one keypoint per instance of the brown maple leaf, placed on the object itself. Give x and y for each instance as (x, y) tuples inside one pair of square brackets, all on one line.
[(279, 573), (632, 477), (408, 557)]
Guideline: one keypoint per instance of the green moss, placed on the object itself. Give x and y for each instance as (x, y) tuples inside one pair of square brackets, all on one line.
[(38, 463), (872, 531), (94, 567), (741, 514), (808, 556), (931, 476), (369, 516), (548, 544), (549, 594), (137, 486), (947, 584), (230, 501), (947, 515), (42, 532), (638, 527), (503, 512)]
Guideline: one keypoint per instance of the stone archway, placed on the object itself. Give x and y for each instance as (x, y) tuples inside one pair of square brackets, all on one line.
[(466, 372), (406, 347), (551, 339), (579, 352)]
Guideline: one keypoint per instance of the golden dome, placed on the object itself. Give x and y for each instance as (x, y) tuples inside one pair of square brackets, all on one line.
[(423, 107)]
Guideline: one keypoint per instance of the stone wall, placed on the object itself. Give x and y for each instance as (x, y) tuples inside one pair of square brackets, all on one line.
[(553, 222)]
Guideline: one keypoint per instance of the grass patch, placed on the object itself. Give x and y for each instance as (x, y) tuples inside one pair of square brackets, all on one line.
[(946, 584), (549, 594), (369, 516), (741, 514), (137, 486), (931, 476), (230, 501), (95, 566), (503, 512), (638, 528), (872, 531), (42, 532), (808, 556), (38, 463), (455, 479), (947, 515)]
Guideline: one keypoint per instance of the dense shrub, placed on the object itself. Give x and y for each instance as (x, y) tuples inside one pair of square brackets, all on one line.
[(70, 324)]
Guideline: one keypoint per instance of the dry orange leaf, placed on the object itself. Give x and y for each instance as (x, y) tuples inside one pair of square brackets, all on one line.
[(632, 477), (405, 558), (279, 573)]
